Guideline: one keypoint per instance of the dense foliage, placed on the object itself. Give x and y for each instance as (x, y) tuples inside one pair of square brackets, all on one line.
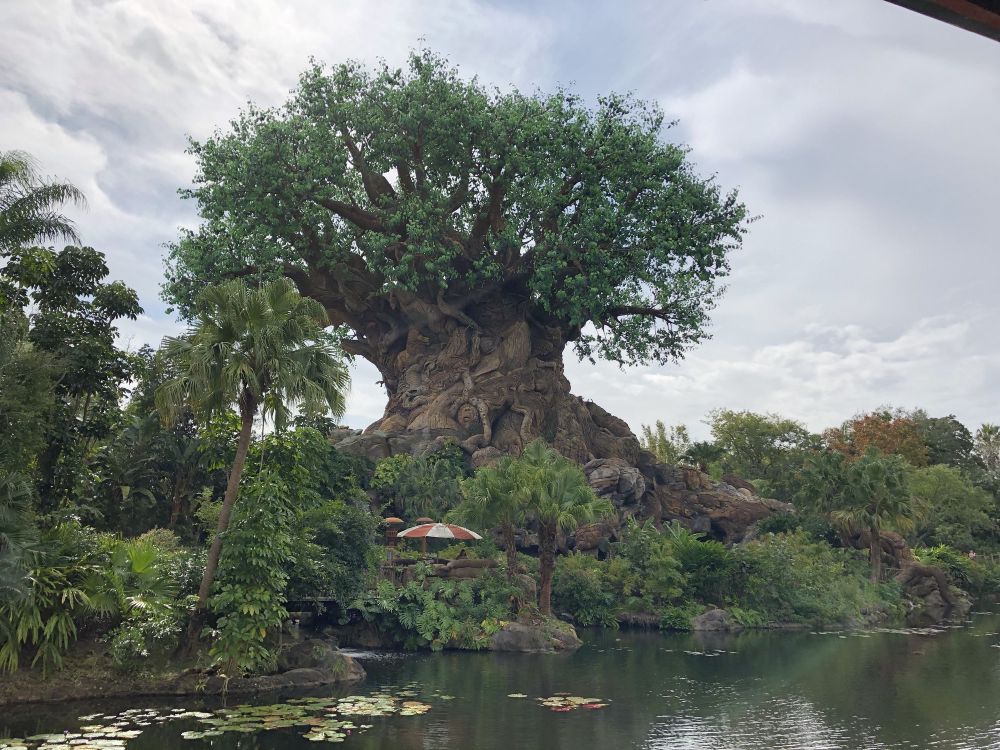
[(374, 187), (435, 613), (669, 576)]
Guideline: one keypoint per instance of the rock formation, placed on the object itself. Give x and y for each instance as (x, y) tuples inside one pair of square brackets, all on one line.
[(610, 455)]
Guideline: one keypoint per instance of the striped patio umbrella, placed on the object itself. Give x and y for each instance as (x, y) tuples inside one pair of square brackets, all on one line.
[(437, 531)]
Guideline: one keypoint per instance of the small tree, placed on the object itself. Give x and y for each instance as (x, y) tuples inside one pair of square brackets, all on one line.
[(866, 495), (265, 350), (891, 433), (495, 499), (757, 446), (987, 448), (668, 444), (558, 497)]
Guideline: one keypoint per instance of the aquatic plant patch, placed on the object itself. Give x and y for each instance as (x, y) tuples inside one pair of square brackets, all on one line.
[(563, 702), (318, 719)]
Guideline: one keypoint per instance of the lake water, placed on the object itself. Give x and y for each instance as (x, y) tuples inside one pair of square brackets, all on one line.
[(752, 691)]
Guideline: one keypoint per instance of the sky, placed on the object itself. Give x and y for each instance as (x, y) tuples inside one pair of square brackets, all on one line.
[(863, 136)]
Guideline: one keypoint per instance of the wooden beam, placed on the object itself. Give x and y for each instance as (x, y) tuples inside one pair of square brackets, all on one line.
[(978, 16)]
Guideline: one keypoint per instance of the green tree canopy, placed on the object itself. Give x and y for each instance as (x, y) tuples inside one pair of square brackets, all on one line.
[(72, 321), (953, 510), (376, 188), (948, 440), (759, 446)]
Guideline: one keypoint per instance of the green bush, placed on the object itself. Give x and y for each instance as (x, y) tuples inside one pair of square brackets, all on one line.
[(790, 578), (580, 587), (335, 553), (436, 613), (679, 616), (79, 577), (975, 575), (249, 596), (707, 565), (148, 637), (652, 577), (779, 523)]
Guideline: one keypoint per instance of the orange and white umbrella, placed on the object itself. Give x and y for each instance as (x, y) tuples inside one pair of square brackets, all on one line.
[(439, 531), (426, 531)]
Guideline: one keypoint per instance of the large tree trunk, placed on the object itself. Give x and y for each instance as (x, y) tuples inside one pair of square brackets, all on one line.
[(491, 377), (248, 410)]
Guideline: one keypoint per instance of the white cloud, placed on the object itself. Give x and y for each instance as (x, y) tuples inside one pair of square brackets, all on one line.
[(864, 134), (820, 376)]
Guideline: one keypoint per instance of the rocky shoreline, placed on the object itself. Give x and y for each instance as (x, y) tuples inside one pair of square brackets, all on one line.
[(307, 663)]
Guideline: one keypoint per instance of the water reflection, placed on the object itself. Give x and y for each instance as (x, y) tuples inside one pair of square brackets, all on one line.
[(753, 691)]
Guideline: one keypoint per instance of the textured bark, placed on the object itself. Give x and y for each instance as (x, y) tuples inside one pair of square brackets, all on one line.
[(486, 370), (487, 373)]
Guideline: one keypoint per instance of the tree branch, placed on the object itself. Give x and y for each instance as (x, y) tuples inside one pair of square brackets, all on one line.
[(376, 186), (650, 312), (354, 214)]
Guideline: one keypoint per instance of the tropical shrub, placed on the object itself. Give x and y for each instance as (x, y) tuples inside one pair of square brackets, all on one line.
[(977, 575), (580, 587), (335, 553), (790, 578), (147, 638), (706, 565), (428, 485), (249, 597), (644, 573), (679, 616), (77, 577), (436, 613)]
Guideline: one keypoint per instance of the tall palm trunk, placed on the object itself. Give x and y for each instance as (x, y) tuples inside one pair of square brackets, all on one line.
[(175, 507), (510, 547), (546, 564), (875, 554), (248, 409)]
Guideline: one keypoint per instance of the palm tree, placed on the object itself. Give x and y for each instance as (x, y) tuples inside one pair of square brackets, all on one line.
[(265, 350), (29, 204), (558, 498), (867, 495), (495, 499), (702, 453)]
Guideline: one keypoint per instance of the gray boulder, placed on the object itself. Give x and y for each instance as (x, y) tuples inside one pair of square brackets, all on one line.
[(715, 620), (545, 637)]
